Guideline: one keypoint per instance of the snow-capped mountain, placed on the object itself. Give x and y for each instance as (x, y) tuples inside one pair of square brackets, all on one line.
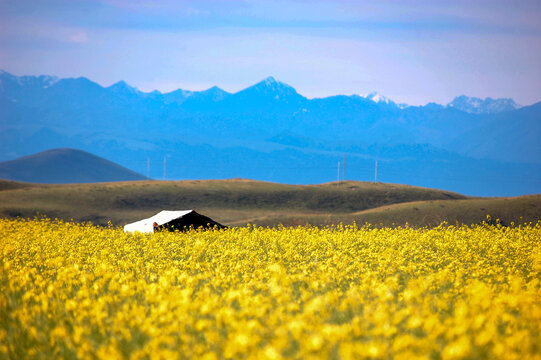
[(43, 81), (24, 88), (378, 98), (474, 105), (278, 126)]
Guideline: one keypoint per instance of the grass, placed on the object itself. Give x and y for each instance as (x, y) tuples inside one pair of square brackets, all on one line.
[(518, 210), (238, 202)]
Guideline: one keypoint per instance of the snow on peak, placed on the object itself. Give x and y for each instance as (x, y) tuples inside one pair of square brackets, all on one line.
[(378, 98), (474, 105), (43, 81), (48, 80)]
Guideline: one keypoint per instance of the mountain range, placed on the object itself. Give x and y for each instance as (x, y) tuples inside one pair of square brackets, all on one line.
[(269, 131)]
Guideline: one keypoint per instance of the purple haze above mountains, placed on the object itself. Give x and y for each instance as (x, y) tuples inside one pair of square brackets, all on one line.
[(412, 51)]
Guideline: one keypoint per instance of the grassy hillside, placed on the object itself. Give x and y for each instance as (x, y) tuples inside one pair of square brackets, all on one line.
[(231, 202), (65, 166), (238, 202), (522, 209)]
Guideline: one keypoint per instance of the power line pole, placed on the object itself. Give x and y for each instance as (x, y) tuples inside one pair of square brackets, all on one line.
[(148, 168), (344, 173), (376, 174), (338, 176), (164, 167)]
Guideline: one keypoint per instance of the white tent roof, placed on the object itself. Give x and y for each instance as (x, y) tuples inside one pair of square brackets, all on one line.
[(163, 217)]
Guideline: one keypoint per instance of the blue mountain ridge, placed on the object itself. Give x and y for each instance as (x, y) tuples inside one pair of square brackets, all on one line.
[(269, 131)]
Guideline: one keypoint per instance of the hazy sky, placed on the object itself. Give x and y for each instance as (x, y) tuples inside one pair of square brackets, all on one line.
[(411, 51)]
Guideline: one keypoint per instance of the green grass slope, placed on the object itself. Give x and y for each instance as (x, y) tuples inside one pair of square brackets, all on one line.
[(230, 202), (518, 210)]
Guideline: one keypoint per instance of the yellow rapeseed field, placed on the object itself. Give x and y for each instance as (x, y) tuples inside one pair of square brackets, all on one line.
[(79, 291)]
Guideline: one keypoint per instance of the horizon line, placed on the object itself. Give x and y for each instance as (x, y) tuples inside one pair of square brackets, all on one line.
[(364, 95)]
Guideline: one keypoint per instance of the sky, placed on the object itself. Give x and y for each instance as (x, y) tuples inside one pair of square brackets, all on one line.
[(411, 51)]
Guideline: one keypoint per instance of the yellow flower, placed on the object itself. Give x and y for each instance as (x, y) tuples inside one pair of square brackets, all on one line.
[(452, 292)]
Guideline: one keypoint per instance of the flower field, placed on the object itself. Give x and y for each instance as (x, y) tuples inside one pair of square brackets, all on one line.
[(79, 291)]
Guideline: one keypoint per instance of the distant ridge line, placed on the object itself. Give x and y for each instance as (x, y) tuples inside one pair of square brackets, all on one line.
[(271, 81)]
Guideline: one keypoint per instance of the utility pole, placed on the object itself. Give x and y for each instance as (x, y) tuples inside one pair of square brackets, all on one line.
[(338, 176), (164, 167), (148, 167), (376, 174), (344, 173)]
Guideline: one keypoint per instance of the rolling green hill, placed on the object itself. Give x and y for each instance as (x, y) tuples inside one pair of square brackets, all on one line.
[(239, 202), (519, 210)]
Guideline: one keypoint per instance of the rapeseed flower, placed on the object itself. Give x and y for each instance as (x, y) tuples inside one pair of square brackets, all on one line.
[(452, 292)]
